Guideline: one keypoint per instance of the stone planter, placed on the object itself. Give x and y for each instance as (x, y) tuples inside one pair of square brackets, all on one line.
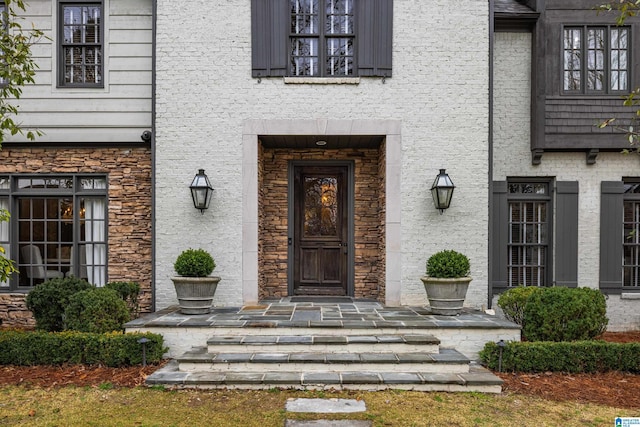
[(195, 294), (446, 296)]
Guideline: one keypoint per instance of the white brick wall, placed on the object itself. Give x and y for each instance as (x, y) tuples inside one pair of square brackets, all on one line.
[(439, 92), (512, 157)]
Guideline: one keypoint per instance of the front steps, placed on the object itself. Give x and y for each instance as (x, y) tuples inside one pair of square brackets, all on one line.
[(318, 358)]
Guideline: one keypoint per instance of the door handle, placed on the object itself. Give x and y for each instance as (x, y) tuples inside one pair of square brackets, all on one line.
[(345, 248), (289, 241)]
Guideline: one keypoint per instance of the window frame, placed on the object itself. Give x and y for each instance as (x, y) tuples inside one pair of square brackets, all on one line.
[(633, 198), (583, 50), (11, 192), (323, 37), (61, 45), (549, 219)]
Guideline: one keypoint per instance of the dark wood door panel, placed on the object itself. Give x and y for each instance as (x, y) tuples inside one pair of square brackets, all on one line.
[(320, 230)]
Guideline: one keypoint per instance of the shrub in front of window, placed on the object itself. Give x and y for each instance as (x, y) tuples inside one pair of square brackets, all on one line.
[(565, 314), (194, 263), (129, 292), (97, 310), (49, 300), (448, 264), (513, 301)]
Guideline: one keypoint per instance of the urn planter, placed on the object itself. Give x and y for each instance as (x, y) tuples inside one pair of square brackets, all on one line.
[(446, 295), (195, 294)]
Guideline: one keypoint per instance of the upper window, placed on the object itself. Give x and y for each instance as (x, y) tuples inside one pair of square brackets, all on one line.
[(81, 44), (631, 235), (58, 228), (528, 244), (596, 59), (322, 36)]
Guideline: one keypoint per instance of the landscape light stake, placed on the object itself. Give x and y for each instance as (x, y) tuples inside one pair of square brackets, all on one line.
[(144, 342), (501, 345)]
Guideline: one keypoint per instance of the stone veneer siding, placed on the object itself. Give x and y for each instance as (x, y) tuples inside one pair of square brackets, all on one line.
[(368, 221), (129, 205)]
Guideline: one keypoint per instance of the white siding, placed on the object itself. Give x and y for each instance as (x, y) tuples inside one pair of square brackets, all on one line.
[(120, 111)]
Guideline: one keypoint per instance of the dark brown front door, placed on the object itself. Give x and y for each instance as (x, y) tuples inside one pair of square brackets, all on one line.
[(320, 230)]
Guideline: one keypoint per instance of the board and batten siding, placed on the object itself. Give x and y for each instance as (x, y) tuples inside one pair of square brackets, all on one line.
[(117, 113)]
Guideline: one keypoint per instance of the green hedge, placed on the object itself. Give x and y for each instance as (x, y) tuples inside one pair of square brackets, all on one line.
[(569, 357), (56, 348)]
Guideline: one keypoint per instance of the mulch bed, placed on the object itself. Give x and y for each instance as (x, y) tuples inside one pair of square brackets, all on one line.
[(615, 389)]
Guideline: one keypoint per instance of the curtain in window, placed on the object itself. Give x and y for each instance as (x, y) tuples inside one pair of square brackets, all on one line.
[(95, 236), (4, 236)]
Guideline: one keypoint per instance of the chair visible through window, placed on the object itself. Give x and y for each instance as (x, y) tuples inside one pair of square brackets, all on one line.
[(35, 268)]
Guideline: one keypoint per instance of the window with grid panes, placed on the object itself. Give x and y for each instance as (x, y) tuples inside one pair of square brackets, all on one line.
[(596, 59), (81, 44), (322, 38), (631, 235), (58, 228), (528, 244)]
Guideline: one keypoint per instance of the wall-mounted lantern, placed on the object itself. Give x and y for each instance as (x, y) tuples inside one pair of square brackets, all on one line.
[(201, 191), (442, 190)]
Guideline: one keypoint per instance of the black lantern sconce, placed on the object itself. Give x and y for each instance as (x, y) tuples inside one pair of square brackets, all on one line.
[(442, 190), (201, 191)]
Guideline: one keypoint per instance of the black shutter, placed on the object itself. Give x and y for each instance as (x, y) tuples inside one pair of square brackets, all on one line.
[(374, 37), (566, 261), (270, 26), (611, 231), (499, 237)]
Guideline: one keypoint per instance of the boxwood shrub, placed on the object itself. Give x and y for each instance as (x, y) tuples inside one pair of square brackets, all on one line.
[(569, 357), (96, 310), (27, 348), (564, 314), (49, 300), (513, 301)]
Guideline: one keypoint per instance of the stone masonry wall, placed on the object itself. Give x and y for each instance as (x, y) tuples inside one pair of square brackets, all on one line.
[(129, 205), (273, 219)]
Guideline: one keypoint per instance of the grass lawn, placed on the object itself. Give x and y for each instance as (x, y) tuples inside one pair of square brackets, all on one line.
[(108, 406)]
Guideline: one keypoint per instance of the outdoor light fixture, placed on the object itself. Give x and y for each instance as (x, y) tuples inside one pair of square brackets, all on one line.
[(442, 190), (201, 191)]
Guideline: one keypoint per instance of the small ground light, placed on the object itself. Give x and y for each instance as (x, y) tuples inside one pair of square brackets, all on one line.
[(144, 342), (501, 345)]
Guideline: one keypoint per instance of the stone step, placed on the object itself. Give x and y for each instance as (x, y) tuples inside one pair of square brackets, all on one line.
[(477, 379), (381, 343), (200, 360)]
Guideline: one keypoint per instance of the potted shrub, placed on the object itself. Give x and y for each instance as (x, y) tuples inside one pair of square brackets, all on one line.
[(194, 286), (447, 281)]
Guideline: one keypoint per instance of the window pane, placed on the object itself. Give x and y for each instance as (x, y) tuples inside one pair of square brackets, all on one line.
[(321, 206), (595, 59), (82, 43), (340, 56), (618, 61), (304, 57), (527, 246), (631, 244), (572, 59)]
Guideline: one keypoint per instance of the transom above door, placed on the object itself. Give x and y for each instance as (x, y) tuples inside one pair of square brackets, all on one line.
[(321, 228)]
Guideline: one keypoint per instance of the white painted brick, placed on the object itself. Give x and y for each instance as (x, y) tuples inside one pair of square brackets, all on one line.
[(439, 92)]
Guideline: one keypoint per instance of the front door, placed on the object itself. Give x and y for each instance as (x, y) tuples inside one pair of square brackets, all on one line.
[(320, 229)]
